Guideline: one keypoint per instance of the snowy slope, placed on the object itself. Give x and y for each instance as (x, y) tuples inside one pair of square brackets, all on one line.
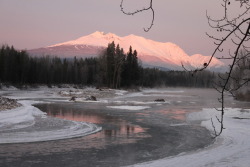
[(152, 53)]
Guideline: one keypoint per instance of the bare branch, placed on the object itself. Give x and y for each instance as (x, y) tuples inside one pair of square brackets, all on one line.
[(150, 8)]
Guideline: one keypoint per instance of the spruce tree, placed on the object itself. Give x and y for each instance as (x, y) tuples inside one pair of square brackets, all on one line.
[(110, 63), (135, 68)]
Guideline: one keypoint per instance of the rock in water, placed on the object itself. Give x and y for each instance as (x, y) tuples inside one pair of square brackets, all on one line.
[(159, 100), (7, 104), (91, 98), (73, 98)]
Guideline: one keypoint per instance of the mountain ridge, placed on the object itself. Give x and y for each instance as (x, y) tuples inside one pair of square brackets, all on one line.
[(151, 53)]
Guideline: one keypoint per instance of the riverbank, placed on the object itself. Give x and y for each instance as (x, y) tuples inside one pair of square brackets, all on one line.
[(230, 149), (8, 104)]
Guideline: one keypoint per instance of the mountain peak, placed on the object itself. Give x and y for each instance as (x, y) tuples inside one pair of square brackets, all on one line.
[(97, 33), (152, 53)]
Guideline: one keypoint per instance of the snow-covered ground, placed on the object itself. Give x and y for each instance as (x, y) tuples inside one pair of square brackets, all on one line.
[(230, 149)]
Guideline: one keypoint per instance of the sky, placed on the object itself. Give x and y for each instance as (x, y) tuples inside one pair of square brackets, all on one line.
[(29, 24)]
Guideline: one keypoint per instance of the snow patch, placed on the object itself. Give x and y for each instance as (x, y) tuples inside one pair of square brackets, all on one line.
[(133, 108), (180, 124), (9, 88), (162, 91), (120, 92), (25, 115)]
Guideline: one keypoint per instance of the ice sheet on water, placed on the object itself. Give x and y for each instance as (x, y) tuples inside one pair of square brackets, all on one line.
[(21, 115), (120, 92), (162, 91), (49, 131), (155, 93), (138, 102), (29, 124), (133, 108), (180, 124), (232, 148)]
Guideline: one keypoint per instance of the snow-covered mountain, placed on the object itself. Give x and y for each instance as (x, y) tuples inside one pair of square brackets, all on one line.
[(151, 53)]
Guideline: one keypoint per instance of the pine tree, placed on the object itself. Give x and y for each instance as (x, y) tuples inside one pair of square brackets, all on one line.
[(119, 59), (135, 68), (128, 68), (110, 63)]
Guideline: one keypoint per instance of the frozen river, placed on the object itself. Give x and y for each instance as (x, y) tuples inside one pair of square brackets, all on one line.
[(135, 129)]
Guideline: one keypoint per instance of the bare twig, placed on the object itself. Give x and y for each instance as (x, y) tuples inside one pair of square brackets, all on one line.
[(141, 10)]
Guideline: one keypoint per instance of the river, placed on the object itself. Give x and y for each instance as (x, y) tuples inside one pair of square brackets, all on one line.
[(127, 136)]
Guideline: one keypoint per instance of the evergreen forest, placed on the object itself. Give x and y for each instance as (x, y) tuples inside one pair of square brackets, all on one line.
[(113, 68)]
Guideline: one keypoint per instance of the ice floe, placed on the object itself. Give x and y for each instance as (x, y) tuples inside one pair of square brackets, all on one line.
[(133, 108), (29, 124)]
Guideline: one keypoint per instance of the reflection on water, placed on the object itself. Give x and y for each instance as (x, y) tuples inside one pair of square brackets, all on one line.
[(178, 114), (115, 129), (69, 114), (174, 114)]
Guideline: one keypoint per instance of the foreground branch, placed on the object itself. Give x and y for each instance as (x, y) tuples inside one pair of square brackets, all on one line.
[(150, 8)]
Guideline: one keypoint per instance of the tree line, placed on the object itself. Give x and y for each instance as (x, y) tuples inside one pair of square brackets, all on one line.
[(113, 68), (241, 77)]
